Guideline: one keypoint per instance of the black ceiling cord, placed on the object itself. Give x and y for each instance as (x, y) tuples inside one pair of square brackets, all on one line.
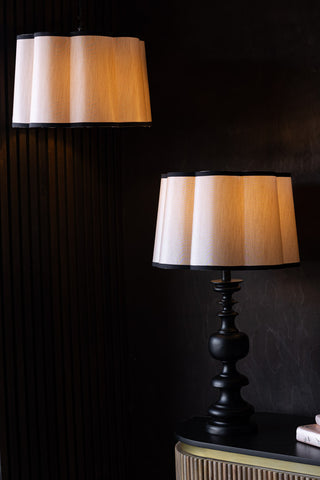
[(111, 16), (80, 20)]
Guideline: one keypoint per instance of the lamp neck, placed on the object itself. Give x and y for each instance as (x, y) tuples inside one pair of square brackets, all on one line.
[(226, 275)]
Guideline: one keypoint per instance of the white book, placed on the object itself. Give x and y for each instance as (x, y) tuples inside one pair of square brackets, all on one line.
[(309, 434), (318, 419)]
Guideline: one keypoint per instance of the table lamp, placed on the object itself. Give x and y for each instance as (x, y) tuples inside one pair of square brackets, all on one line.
[(226, 221)]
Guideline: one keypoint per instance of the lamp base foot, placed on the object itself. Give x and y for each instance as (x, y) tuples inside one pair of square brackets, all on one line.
[(226, 430)]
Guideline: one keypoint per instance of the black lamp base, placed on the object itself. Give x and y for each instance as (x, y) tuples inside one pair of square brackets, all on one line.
[(230, 415)]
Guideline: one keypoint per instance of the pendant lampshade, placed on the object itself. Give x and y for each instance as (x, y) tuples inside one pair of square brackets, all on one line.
[(80, 80), (217, 220)]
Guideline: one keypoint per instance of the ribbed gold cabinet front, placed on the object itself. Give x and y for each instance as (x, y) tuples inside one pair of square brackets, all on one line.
[(194, 467)]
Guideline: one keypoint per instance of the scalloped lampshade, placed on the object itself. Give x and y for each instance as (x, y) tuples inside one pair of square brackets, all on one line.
[(80, 80), (218, 220)]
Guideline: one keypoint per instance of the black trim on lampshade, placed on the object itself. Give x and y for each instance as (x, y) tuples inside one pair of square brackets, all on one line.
[(82, 124), (81, 33), (178, 174), (223, 267), (203, 173)]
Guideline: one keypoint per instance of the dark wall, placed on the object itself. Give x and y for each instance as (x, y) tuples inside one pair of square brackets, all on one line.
[(100, 353), (234, 85), (63, 360)]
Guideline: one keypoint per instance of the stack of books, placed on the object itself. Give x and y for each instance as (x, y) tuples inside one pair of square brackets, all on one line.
[(310, 433)]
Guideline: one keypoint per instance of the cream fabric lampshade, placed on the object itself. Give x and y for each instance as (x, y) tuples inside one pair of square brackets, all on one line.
[(217, 220), (80, 80)]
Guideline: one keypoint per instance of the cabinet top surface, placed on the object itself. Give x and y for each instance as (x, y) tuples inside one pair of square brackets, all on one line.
[(275, 438)]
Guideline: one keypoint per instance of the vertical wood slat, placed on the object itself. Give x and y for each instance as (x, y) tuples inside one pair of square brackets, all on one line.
[(4, 267), (63, 359), (57, 405), (75, 303), (13, 439), (43, 343)]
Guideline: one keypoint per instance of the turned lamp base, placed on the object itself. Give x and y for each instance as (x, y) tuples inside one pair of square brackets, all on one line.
[(230, 415)]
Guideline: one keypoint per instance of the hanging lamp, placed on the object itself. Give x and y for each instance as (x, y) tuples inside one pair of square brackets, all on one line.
[(80, 80)]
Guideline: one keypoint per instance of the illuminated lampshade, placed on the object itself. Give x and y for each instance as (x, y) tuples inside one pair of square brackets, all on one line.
[(209, 220), (80, 80)]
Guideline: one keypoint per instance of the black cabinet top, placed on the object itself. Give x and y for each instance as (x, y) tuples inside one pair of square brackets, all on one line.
[(275, 438)]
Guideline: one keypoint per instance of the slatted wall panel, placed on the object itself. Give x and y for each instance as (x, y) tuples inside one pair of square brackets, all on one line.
[(62, 354)]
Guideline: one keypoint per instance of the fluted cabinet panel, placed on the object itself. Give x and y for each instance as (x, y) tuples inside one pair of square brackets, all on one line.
[(62, 331), (191, 467)]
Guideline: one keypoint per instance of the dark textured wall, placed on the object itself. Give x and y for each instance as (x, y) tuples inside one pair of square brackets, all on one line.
[(234, 85), (100, 353)]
